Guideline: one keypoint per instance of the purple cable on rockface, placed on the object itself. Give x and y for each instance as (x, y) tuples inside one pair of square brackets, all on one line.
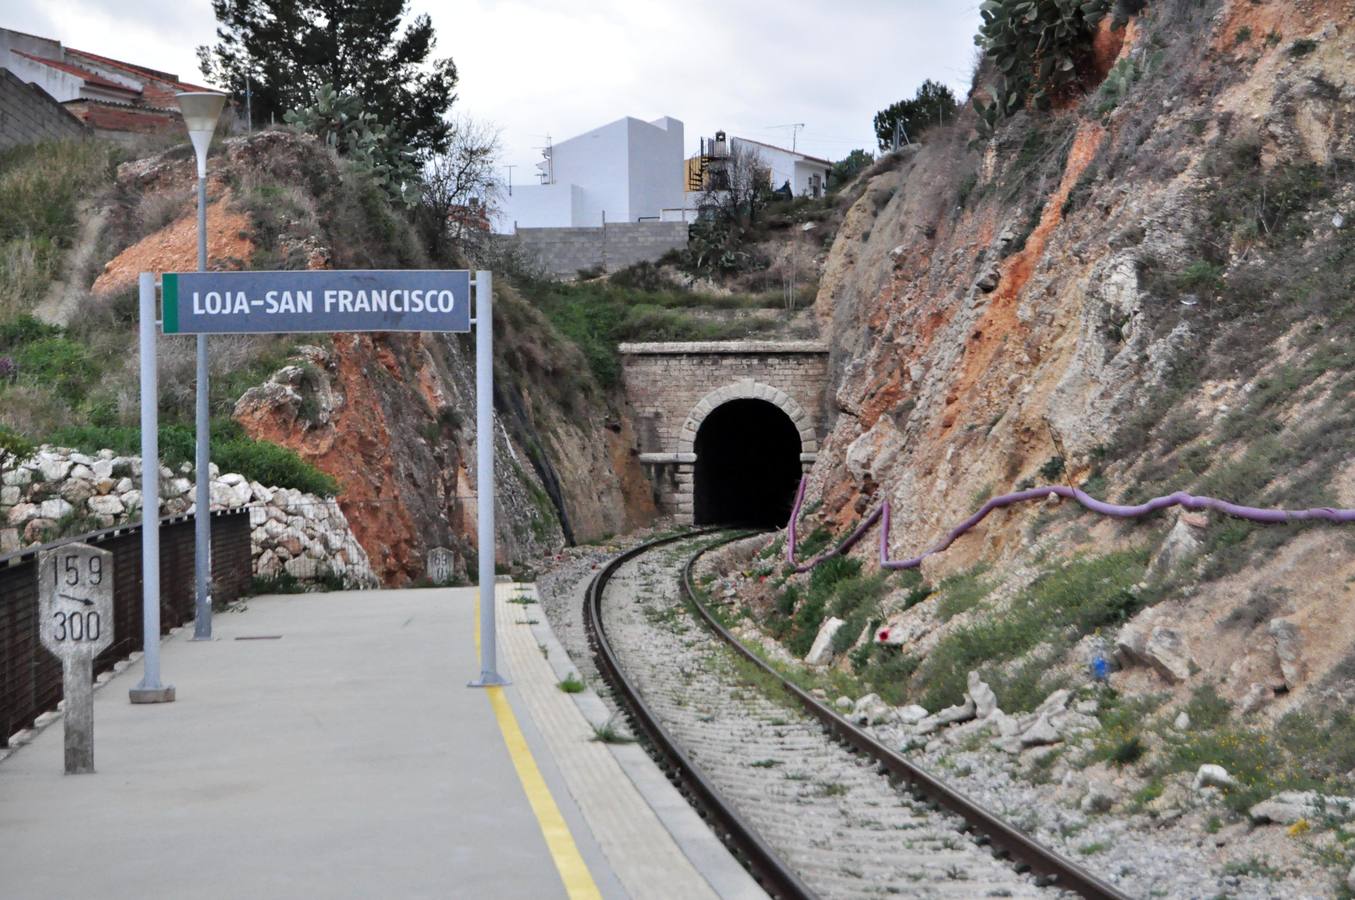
[(1180, 498)]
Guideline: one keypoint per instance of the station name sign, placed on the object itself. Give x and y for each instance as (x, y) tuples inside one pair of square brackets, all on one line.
[(315, 301)]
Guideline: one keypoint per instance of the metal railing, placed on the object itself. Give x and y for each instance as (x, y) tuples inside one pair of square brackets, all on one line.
[(30, 677)]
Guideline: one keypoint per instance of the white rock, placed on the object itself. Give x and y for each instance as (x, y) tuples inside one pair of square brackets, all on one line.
[(1289, 648), (1166, 650), (1211, 775), (1287, 807), (53, 468), (985, 701), (82, 472), (948, 716), (843, 703), (10, 495), (103, 467), (871, 710), (19, 477), (106, 506), (912, 714), (259, 493), (9, 540), (1054, 703), (82, 459), (131, 499), (821, 653), (55, 508), (233, 479), (124, 485), (1182, 721), (22, 512), (1040, 733), (1257, 696)]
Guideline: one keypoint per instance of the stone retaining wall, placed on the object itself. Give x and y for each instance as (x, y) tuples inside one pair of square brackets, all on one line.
[(60, 491)]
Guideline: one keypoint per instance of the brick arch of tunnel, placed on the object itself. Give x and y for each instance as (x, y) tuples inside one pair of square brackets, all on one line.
[(673, 389), (749, 444)]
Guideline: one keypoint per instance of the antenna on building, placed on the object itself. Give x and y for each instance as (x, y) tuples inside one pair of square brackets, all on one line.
[(794, 132)]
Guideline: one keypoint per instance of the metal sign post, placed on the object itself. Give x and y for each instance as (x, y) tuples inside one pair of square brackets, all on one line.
[(325, 301), (75, 623), (484, 475)]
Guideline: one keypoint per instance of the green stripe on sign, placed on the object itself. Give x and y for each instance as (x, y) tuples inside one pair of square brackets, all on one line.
[(169, 295)]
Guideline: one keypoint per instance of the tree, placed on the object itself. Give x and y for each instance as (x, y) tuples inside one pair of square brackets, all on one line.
[(290, 48), (933, 104), (847, 168), (738, 187), (461, 191)]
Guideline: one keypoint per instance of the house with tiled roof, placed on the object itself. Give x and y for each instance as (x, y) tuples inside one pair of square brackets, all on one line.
[(116, 99)]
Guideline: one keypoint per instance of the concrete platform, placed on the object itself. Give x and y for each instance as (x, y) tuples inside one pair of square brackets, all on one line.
[(327, 745)]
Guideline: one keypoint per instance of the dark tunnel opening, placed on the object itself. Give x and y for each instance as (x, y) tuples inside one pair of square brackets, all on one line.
[(747, 465)]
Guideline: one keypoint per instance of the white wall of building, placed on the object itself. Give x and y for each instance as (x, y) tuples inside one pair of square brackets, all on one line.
[(627, 170), (787, 166), (656, 167), (538, 206)]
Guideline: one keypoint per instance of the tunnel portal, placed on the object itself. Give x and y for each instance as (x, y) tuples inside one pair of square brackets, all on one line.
[(747, 465)]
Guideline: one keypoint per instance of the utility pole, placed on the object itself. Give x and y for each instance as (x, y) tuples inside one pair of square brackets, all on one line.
[(510, 178), (249, 115), (794, 132)]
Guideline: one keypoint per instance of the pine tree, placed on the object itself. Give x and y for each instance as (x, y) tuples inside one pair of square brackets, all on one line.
[(289, 48), (934, 104)]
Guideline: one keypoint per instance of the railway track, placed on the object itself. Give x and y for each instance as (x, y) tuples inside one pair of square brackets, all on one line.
[(812, 805)]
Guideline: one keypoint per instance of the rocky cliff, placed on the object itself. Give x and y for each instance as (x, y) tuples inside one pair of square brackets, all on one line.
[(1147, 290)]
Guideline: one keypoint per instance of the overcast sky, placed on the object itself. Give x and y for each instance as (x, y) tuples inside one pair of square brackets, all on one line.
[(538, 67)]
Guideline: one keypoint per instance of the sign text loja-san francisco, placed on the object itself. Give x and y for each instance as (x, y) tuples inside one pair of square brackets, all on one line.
[(316, 301)]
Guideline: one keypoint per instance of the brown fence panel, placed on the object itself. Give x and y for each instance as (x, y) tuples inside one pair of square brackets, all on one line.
[(30, 677)]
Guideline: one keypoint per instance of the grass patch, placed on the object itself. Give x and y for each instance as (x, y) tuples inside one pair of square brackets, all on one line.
[(962, 592), (597, 316), (40, 189), (572, 684), (1056, 609)]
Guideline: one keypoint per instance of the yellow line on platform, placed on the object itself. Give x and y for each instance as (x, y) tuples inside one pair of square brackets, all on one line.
[(578, 881)]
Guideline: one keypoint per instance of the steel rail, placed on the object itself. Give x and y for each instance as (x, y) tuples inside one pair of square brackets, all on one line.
[(1051, 869), (771, 873)]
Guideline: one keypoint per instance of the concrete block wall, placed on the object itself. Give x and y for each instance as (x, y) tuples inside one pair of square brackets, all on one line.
[(28, 114), (562, 252)]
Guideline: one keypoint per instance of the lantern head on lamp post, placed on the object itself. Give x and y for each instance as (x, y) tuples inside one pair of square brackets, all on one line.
[(201, 111)]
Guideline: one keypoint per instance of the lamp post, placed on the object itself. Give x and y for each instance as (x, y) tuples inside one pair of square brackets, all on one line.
[(201, 111)]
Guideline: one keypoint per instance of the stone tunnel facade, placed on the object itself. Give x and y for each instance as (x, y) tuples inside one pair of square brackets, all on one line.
[(673, 387)]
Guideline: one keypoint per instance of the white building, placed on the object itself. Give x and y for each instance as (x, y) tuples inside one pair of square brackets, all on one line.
[(625, 171), (803, 175), (806, 175)]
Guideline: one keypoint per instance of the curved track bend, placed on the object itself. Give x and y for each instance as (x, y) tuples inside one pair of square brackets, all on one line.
[(807, 801)]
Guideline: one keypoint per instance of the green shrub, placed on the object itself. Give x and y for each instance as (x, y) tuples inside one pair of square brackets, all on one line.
[(962, 592), (14, 448), (1058, 608), (232, 451), (59, 363)]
